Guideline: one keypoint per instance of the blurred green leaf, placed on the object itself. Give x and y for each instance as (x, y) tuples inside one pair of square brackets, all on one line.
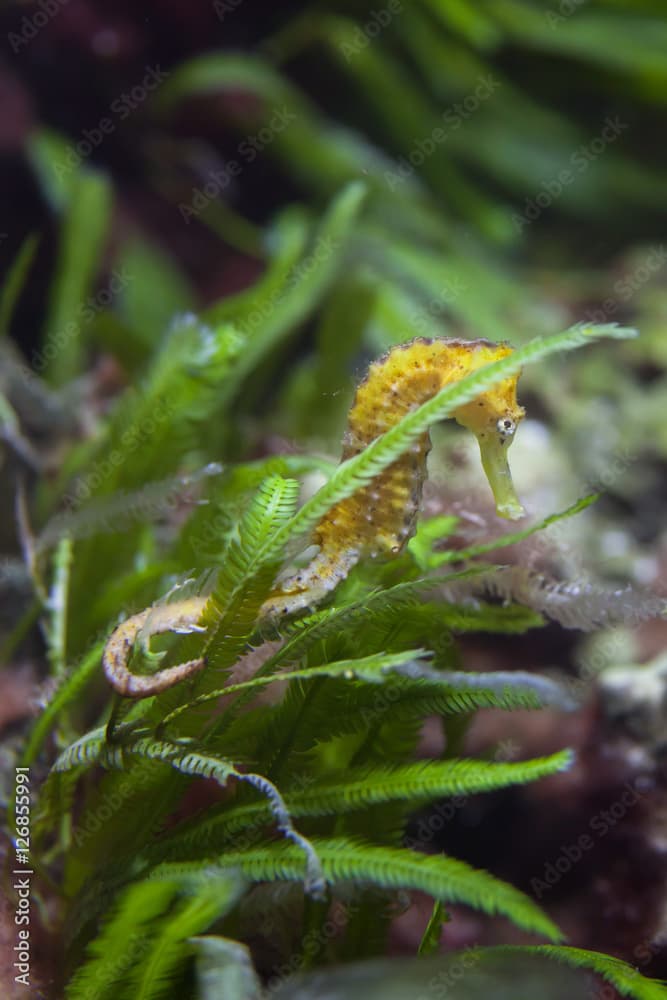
[(156, 290), (14, 281), (47, 152), (85, 222)]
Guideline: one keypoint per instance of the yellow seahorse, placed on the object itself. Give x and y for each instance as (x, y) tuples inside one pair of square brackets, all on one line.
[(377, 519)]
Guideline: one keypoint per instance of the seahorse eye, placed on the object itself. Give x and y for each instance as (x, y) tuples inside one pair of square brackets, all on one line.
[(506, 427)]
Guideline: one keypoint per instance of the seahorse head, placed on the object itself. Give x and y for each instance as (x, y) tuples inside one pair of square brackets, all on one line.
[(493, 418)]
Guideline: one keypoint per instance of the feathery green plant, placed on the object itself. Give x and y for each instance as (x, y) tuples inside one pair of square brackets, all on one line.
[(297, 775)]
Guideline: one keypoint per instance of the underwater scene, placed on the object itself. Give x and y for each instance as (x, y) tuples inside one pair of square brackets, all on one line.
[(333, 547)]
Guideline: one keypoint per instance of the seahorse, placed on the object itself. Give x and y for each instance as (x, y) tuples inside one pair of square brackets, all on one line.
[(376, 520)]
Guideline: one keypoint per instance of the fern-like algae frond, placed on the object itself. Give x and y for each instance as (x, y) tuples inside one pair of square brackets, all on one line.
[(186, 760), (121, 941), (86, 750), (623, 977), (137, 950), (343, 860), (407, 664), (324, 708), (579, 604), (232, 609), (369, 668), (341, 793), (166, 952), (329, 709)]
